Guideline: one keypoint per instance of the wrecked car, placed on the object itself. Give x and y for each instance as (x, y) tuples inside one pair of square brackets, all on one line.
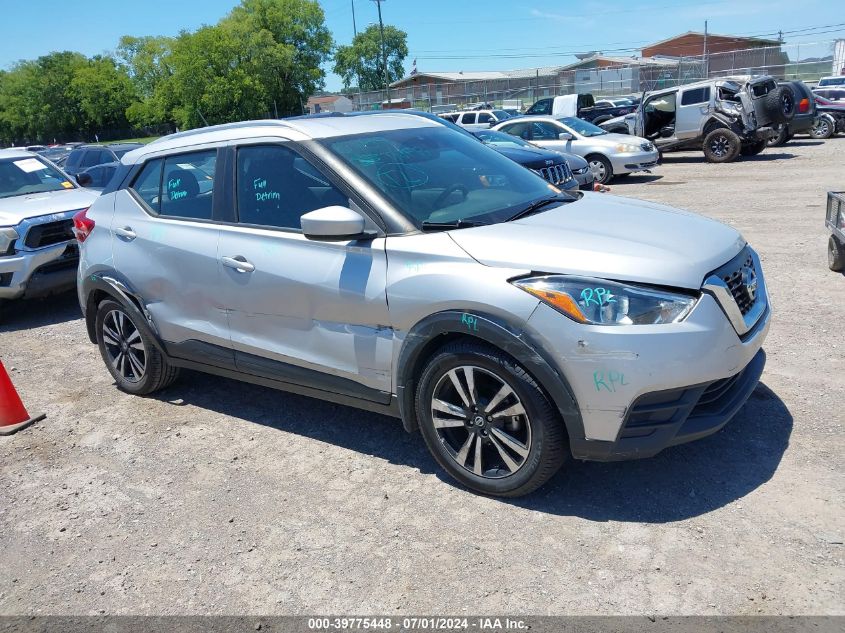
[(725, 117)]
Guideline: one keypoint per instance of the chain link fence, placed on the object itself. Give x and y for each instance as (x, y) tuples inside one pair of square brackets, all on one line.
[(605, 77)]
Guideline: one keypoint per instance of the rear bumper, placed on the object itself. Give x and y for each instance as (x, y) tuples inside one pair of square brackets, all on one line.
[(38, 273), (661, 419)]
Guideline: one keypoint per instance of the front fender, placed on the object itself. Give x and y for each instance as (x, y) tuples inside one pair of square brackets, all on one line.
[(422, 340)]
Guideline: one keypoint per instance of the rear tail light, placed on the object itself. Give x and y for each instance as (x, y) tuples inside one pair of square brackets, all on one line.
[(804, 105), (82, 225)]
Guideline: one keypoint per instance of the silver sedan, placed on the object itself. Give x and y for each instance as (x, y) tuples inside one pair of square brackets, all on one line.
[(608, 154)]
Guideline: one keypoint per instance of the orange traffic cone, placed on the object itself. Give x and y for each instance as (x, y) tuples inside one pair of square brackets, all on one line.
[(13, 416)]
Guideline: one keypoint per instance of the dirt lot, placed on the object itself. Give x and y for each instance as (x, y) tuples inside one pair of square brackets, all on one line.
[(220, 497)]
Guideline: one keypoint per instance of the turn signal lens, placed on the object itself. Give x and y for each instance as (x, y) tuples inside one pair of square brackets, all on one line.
[(559, 300)]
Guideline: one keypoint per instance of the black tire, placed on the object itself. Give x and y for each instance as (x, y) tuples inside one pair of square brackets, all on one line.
[(721, 145), (752, 149), (835, 255), (780, 104), (822, 129), (782, 137), (539, 433), (601, 168), (132, 359)]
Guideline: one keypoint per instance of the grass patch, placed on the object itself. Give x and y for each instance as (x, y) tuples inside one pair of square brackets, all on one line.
[(144, 139)]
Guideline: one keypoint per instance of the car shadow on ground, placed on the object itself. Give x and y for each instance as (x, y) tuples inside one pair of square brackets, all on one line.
[(804, 143), (679, 483), (32, 313), (766, 155), (635, 179)]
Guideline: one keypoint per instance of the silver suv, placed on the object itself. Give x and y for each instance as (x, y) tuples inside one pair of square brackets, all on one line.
[(725, 118), (393, 264)]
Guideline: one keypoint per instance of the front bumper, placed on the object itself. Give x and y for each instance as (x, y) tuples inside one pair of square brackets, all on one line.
[(641, 389), (627, 163), (39, 272)]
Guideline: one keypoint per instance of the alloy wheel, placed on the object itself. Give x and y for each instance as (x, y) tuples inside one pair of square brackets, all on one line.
[(822, 127), (720, 145), (481, 421), (124, 346)]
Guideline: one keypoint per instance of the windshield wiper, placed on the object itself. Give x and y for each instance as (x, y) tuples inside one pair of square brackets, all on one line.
[(537, 205), (454, 224)]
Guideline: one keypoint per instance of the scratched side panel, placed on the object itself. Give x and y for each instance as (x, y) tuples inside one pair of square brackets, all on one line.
[(318, 305), (429, 273)]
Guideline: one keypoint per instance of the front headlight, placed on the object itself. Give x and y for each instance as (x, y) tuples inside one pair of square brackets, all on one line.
[(602, 302), (627, 148), (7, 236)]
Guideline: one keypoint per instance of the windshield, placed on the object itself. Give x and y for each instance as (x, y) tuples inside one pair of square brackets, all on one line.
[(501, 115), (435, 175), (832, 81), (580, 126), (123, 150), (500, 139), (19, 176)]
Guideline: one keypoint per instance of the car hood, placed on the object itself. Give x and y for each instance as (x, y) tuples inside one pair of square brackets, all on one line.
[(611, 237), (612, 138), (17, 208), (529, 156)]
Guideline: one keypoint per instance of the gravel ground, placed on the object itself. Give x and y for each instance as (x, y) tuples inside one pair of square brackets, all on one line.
[(225, 498)]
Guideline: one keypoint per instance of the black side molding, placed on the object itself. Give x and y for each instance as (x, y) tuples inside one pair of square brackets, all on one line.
[(510, 339)]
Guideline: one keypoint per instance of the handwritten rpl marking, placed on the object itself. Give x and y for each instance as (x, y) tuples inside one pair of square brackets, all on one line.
[(599, 296), (470, 321), (608, 381)]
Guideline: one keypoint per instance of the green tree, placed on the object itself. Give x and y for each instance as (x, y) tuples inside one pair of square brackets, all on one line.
[(362, 62), (147, 61), (104, 92)]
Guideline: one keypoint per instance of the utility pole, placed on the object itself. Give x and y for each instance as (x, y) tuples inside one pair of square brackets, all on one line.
[(383, 52), (354, 28), (706, 61)]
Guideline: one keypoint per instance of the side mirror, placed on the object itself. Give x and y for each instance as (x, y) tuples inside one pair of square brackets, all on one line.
[(334, 224), (84, 180), (565, 136)]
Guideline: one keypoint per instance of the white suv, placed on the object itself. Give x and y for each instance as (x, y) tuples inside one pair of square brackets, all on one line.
[(477, 119)]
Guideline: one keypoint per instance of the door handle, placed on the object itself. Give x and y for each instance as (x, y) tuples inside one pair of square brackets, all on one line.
[(126, 232), (238, 262)]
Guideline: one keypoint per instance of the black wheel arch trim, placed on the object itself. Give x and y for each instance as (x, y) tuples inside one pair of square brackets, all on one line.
[(496, 331), (114, 285)]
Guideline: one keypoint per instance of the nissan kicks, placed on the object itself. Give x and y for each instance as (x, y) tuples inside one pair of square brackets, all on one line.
[(393, 264)]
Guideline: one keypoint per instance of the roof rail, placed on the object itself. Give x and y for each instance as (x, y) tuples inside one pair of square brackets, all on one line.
[(223, 126)]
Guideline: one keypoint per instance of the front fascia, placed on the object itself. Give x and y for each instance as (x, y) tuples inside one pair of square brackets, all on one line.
[(608, 367)]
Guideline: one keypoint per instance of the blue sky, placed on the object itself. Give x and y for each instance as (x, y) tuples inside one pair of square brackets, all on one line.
[(443, 35)]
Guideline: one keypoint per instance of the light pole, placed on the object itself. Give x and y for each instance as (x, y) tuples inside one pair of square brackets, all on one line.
[(383, 51)]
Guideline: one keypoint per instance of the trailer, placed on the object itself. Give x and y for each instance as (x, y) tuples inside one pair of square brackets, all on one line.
[(835, 222)]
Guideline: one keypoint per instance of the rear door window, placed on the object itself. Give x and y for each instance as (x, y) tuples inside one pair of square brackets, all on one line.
[(468, 118), (187, 185), (91, 158), (696, 95)]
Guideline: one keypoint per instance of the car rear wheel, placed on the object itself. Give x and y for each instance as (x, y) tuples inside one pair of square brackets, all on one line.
[(132, 359), (782, 137), (822, 129), (721, 145), (601, 168), (487, 421), (835, 255)]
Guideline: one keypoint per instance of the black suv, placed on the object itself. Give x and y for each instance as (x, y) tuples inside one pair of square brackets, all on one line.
[(85, 156), (805, 114)]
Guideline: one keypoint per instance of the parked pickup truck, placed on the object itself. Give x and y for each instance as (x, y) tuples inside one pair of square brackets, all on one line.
[(582, 106)]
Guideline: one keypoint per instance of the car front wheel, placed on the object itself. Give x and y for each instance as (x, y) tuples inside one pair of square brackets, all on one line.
[(132, 359), (822, 129), (601, 168), (487, 422), (721, 145)]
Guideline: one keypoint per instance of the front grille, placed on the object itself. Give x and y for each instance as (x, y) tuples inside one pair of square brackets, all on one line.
[(739, 282), (556, 174), (49, 233)]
